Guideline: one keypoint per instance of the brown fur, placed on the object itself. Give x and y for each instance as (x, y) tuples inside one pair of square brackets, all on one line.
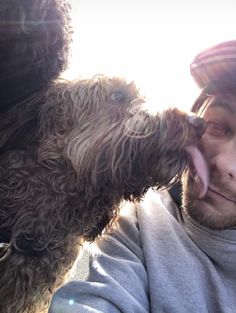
[(35, 37), (87, 146), (69, 153)]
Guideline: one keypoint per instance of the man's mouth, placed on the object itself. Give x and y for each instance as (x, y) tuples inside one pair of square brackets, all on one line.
[(213, 191)]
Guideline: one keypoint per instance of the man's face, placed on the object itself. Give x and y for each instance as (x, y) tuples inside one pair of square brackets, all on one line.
[(217, 210)]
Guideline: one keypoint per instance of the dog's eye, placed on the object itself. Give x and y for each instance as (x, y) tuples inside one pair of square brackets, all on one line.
[(118, 96)]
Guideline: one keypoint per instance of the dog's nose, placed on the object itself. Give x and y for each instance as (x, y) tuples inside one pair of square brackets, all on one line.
[(198, 123)]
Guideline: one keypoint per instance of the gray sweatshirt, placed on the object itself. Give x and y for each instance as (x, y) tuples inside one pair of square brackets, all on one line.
[(156, 261)]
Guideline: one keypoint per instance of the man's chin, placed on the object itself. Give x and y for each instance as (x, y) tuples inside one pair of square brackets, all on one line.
[(206, 213)]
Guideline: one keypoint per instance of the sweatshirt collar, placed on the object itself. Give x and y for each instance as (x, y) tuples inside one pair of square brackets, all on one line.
[(218, 245)]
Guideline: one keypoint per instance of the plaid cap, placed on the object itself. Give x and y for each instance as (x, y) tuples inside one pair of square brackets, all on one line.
[(214, 68)]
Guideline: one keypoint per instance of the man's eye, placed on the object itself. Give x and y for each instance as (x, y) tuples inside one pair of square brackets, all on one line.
[(216, 128)]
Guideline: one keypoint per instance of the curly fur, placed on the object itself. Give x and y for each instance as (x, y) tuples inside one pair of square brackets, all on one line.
[(93, 146), (69, 153), (35, 37)]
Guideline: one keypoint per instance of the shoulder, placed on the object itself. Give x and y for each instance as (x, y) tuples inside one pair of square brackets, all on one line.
[(136, 219), (153, 203), (157, 204)]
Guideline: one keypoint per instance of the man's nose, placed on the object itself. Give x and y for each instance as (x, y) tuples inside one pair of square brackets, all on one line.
[(225, 162)]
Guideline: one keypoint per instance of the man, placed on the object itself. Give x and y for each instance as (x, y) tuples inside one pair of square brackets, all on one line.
[(168, 258)]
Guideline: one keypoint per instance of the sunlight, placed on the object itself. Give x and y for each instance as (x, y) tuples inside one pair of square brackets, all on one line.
[(149, 42)]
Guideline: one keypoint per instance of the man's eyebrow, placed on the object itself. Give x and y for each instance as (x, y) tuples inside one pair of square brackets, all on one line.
[(224, 105)]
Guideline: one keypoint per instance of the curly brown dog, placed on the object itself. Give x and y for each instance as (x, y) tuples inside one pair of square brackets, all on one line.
[(69, 153), (93, 147)]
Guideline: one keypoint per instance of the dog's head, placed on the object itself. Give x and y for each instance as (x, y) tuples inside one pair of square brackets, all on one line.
[(34, 43), (115, 149), (97, 126)]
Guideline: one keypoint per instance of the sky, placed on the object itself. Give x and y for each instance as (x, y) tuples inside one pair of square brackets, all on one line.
[(150, 42)]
